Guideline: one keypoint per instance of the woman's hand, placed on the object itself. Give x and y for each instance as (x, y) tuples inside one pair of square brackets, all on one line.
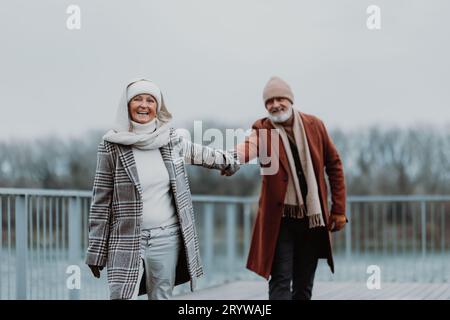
[(226, 172), (96, 270)]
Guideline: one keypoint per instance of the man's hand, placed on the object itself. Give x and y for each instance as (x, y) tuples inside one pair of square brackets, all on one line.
[(96, 270), (336, 222)]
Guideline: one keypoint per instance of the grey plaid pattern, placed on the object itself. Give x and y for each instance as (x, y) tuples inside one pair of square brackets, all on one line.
[(116, 209)]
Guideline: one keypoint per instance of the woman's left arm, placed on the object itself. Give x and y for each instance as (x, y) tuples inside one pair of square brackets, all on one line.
[(208, 157)]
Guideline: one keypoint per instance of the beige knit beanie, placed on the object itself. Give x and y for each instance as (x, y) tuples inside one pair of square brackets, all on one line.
[(277, 87)]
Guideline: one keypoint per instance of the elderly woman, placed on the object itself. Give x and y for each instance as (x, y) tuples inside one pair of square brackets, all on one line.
[(141, 222)]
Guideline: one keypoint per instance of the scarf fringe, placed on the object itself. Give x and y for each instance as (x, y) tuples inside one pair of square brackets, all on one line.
[(316, 221), (299, 212), (294, 211)]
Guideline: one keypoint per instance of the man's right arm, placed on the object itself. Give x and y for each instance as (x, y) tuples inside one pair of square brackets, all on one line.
[(248, 150), (245, 151)]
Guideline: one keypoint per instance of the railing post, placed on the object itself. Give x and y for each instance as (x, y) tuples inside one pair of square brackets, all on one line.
[(247, 228), (423, 212), (231, 236), (444, 260), (74, 220), (209, 239), (348, 233), (21, 247)]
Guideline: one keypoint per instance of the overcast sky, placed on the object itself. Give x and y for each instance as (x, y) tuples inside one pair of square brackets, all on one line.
[(212, 58)]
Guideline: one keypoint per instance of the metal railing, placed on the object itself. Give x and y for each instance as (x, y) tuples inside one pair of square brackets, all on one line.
[(44, 235), (406, 236)]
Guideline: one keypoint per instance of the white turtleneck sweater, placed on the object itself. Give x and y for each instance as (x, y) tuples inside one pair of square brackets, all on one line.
[(158, 206)]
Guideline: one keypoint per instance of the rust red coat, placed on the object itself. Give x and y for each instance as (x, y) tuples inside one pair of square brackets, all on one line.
[(325, 158)]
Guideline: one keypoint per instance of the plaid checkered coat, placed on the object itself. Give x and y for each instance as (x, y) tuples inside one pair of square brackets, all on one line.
[(116, 210)]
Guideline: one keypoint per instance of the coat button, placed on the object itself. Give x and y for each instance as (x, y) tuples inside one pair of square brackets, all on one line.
[(285, 178)]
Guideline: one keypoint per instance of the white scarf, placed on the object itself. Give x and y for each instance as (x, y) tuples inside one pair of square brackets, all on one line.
[(152, 135)]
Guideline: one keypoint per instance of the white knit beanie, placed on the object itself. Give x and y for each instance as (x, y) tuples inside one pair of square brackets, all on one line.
[(277, 87), (144, 87)]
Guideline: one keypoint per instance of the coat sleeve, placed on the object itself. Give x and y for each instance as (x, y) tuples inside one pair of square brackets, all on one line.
[(208, 157), (100, 210), (248, 150), (335, 173)]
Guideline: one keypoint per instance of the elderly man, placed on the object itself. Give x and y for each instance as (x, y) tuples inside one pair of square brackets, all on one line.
[(293, 224)]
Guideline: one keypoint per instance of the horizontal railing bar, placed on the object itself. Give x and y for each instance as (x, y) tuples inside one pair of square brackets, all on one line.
[(398, 198), (225, 199), (45, 192)]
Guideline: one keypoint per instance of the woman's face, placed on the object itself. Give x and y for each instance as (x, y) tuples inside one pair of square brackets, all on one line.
[(142, 108)]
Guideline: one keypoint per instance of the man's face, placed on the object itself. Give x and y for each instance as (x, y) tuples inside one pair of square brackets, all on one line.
[(279, 109)]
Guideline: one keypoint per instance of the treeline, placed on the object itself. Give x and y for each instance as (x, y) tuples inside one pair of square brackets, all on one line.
[(376, 161), (396, 161)]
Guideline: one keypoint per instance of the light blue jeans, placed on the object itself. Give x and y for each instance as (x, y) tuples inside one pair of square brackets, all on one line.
[(159, 253)]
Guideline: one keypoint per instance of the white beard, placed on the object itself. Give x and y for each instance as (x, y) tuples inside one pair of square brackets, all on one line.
[(280, 118)]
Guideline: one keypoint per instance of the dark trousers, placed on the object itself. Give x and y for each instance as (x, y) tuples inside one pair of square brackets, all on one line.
[(295, 261)]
